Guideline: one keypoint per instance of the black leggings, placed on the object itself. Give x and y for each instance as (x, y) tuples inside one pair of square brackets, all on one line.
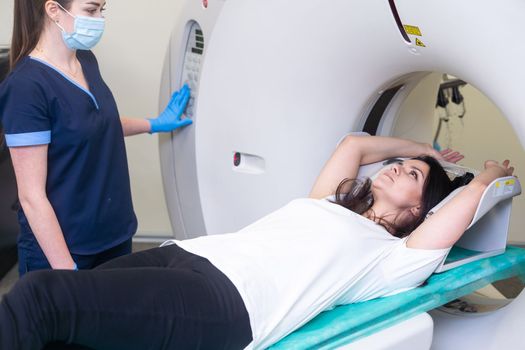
[(162, 298)]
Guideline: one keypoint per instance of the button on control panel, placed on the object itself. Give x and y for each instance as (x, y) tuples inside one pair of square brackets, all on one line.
[(192, 64)]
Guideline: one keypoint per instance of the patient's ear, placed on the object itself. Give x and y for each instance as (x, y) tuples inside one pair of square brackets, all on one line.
[(416, 210)]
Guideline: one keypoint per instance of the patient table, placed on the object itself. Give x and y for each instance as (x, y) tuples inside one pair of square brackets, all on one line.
[(345, 324)]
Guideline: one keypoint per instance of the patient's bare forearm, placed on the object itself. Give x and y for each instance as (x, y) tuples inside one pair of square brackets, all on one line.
[(354, 151), (446, 226), (373, 149), (492, 172)]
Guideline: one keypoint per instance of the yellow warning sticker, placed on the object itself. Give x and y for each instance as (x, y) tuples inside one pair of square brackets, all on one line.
[(412, 30), (420, 43), (504, 187)]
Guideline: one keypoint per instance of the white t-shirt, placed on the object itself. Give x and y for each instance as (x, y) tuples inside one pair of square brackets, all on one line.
[(309, 256)]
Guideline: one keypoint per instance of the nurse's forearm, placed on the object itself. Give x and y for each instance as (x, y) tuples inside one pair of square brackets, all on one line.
[(44, 224), (135, 126)]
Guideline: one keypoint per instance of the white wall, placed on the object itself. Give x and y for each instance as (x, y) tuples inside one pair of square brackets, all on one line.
[(6, 21), (131, 56)]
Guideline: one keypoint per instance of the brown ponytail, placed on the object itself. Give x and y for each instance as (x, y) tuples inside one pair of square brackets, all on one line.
[(28, 24)]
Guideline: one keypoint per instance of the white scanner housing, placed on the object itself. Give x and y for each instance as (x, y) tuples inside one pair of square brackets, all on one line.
[(276, 83)]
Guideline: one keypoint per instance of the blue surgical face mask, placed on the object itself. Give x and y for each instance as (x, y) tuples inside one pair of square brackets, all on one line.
[(86, 33)]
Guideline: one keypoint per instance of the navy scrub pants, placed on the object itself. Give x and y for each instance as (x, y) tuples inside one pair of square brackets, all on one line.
[(162, 298)]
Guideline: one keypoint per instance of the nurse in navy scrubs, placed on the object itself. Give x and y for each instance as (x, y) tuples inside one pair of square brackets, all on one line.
[(66, 138)]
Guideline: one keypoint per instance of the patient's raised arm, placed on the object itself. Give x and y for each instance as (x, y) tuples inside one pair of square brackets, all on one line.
[(355, 151), (445, 227)]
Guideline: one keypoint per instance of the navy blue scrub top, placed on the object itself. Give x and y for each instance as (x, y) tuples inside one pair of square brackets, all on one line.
[(87, 171)]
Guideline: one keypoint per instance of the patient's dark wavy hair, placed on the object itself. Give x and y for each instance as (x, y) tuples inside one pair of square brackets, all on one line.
[(356, 195)]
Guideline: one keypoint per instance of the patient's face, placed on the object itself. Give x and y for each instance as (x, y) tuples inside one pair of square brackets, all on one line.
[(400, 185)]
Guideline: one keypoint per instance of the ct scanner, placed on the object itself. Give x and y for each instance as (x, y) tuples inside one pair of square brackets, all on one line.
[(276, 83)]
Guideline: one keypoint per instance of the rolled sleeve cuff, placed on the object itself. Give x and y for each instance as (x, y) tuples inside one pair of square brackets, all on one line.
[(28, 139)]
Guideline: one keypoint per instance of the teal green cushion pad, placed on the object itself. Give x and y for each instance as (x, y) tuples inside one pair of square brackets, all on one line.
[(347, 323)]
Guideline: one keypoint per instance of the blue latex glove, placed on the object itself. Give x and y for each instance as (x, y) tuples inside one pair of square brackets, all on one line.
[(170, 118)]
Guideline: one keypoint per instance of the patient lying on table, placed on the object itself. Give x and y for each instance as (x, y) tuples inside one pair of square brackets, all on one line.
[(250, 288)]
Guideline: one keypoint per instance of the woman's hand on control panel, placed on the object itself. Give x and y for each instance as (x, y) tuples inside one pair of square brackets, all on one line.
[(170, 118)]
